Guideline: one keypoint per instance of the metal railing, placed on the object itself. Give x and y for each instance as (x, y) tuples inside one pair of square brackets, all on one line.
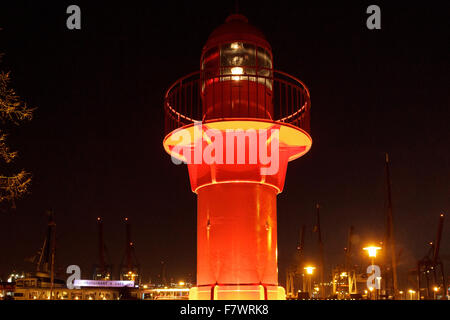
[(289, 100)]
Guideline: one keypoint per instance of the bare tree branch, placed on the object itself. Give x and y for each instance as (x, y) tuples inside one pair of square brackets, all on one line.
[(12, 109)]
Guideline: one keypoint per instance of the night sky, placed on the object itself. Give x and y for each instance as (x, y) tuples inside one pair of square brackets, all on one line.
[(95, 148)]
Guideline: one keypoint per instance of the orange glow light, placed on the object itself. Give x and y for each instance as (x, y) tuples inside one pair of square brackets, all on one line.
[(372, 251), (309, 269)]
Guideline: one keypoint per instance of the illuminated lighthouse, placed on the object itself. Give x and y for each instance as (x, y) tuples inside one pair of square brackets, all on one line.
[(237, 123)]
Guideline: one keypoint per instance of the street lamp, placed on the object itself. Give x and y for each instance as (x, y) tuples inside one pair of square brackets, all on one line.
[(435, 290), (309, 272), (372, 252)]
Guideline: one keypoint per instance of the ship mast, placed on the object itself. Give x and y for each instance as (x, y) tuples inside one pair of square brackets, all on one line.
[(52, 245), (321, 253), (390, 230), (101, 247)]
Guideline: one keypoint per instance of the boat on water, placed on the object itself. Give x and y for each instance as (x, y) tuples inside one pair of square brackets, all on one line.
[(38, 286), (47, 284)]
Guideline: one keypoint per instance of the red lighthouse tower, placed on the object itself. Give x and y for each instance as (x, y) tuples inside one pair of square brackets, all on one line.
[(237, 123)]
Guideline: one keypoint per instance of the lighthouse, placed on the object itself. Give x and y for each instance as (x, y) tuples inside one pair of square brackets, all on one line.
[(236, 123)]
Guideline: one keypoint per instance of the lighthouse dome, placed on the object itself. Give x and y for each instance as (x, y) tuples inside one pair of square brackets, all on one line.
[(236, 28)]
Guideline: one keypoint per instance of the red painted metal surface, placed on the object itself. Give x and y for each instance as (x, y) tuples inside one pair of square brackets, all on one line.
[(236, 213), (237, 239)]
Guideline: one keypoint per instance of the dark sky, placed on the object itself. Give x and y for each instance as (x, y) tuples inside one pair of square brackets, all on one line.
[(94, 146)]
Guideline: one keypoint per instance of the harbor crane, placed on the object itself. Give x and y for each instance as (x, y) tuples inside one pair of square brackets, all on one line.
[(294, 280), (430, 269), (103, 270), (130, 270)]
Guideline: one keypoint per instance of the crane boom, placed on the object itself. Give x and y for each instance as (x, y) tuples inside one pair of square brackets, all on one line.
[(101, 246), (390, 229), (437, 244), (321, 253)]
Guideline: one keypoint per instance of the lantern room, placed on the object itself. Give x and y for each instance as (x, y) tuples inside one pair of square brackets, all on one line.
[(237, 72)]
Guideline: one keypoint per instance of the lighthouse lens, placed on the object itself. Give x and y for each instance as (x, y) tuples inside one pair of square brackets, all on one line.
[(238, 54), (264, 67)]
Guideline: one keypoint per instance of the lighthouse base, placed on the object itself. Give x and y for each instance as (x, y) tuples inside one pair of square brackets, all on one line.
[(237, 292)]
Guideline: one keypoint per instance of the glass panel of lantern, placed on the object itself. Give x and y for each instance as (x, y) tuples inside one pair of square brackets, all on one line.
[(264, 67), (238, 59), (210, 62), (210, 66)]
